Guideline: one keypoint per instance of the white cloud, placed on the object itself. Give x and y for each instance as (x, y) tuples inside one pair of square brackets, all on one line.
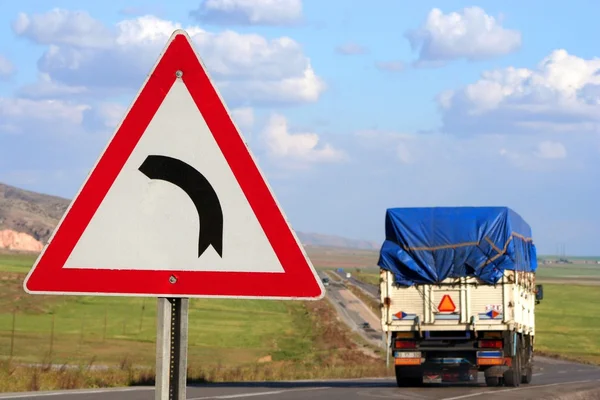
[(75, 28), (470, 34), (249, 12), (551, 150), (103, 117), (46, 88), (297, 147), (350, 48), (25, 116), (6, 68), (561, 95), (56, 118), (305, 88), (246, 67)]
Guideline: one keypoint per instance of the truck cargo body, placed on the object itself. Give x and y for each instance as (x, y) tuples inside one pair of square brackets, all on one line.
[(458, 295)]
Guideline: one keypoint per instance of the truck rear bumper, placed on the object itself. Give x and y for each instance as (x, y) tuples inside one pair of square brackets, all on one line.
[(444, 361)]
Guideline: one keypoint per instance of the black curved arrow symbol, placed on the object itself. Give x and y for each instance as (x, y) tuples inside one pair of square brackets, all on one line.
[(200, 192)]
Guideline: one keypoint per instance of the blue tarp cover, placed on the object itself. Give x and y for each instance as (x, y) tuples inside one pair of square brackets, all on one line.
[(428, 245)]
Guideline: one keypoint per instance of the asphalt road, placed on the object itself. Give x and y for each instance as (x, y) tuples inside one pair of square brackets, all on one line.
[(553, 379), (355, 313)]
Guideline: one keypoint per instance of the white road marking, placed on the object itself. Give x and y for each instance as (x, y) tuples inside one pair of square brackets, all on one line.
[(242, 395), (466, 396), (538, 374), (30, 395), (562, 372)]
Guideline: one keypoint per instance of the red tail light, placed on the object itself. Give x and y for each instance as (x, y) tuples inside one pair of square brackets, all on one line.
[(405, 344), (494, 344)]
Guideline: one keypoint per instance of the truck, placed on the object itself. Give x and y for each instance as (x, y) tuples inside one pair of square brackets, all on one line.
[(458, 295)]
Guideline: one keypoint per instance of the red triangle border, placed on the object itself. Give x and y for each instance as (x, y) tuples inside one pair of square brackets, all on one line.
[(299, 281)]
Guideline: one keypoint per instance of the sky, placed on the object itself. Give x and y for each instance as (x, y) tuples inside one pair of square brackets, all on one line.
[(350, 107)]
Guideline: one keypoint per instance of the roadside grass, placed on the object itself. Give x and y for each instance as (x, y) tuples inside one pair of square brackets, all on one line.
[(331, 354), (85, 341), (370, 276), (15, 262), (567, 322)]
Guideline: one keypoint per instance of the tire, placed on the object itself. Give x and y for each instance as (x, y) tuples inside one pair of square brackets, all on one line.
[(526, 379), (527, 373), (492, 381), (512, 377)]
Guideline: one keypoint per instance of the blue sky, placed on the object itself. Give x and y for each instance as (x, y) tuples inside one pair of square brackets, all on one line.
[(350, 107)]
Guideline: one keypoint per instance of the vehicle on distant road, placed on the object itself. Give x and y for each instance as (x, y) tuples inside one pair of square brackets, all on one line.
[(348, 275), (458, 295)]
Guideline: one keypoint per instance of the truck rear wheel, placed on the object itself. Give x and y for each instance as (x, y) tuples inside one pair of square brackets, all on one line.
[(527, 377), (492, 381), (527, 373), (512, 376)]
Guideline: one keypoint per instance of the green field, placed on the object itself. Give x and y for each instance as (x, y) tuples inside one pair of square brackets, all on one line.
[(567, 322), (113, 330), (568, 271)]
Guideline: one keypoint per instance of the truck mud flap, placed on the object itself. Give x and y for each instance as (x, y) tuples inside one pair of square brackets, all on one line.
[(445, 370), (450, 375)]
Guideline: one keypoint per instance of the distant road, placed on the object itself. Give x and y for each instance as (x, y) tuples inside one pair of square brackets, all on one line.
[(373, 290), (355, 313)]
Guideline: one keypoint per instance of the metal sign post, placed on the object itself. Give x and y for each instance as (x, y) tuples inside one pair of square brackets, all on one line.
[(171, 348)]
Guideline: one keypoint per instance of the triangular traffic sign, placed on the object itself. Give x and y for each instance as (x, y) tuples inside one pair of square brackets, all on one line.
[(176, 205), (446, 304)]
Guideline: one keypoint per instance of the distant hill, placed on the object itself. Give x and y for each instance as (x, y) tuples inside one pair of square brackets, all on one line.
[(317, 239), (24, 213), (28, 212)]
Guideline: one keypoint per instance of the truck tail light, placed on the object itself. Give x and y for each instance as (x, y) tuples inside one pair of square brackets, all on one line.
[(405, 344), (494, 344)]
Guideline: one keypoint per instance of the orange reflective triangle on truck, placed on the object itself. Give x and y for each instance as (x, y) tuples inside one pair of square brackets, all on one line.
[(446, 304)]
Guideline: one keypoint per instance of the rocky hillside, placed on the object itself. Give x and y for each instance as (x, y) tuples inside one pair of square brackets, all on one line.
[(29, 213), (27, 220)]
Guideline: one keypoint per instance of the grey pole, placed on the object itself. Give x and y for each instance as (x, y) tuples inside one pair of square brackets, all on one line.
[(171, 348)]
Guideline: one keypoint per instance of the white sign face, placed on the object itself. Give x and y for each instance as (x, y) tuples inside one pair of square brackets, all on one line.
[(154, 225)]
